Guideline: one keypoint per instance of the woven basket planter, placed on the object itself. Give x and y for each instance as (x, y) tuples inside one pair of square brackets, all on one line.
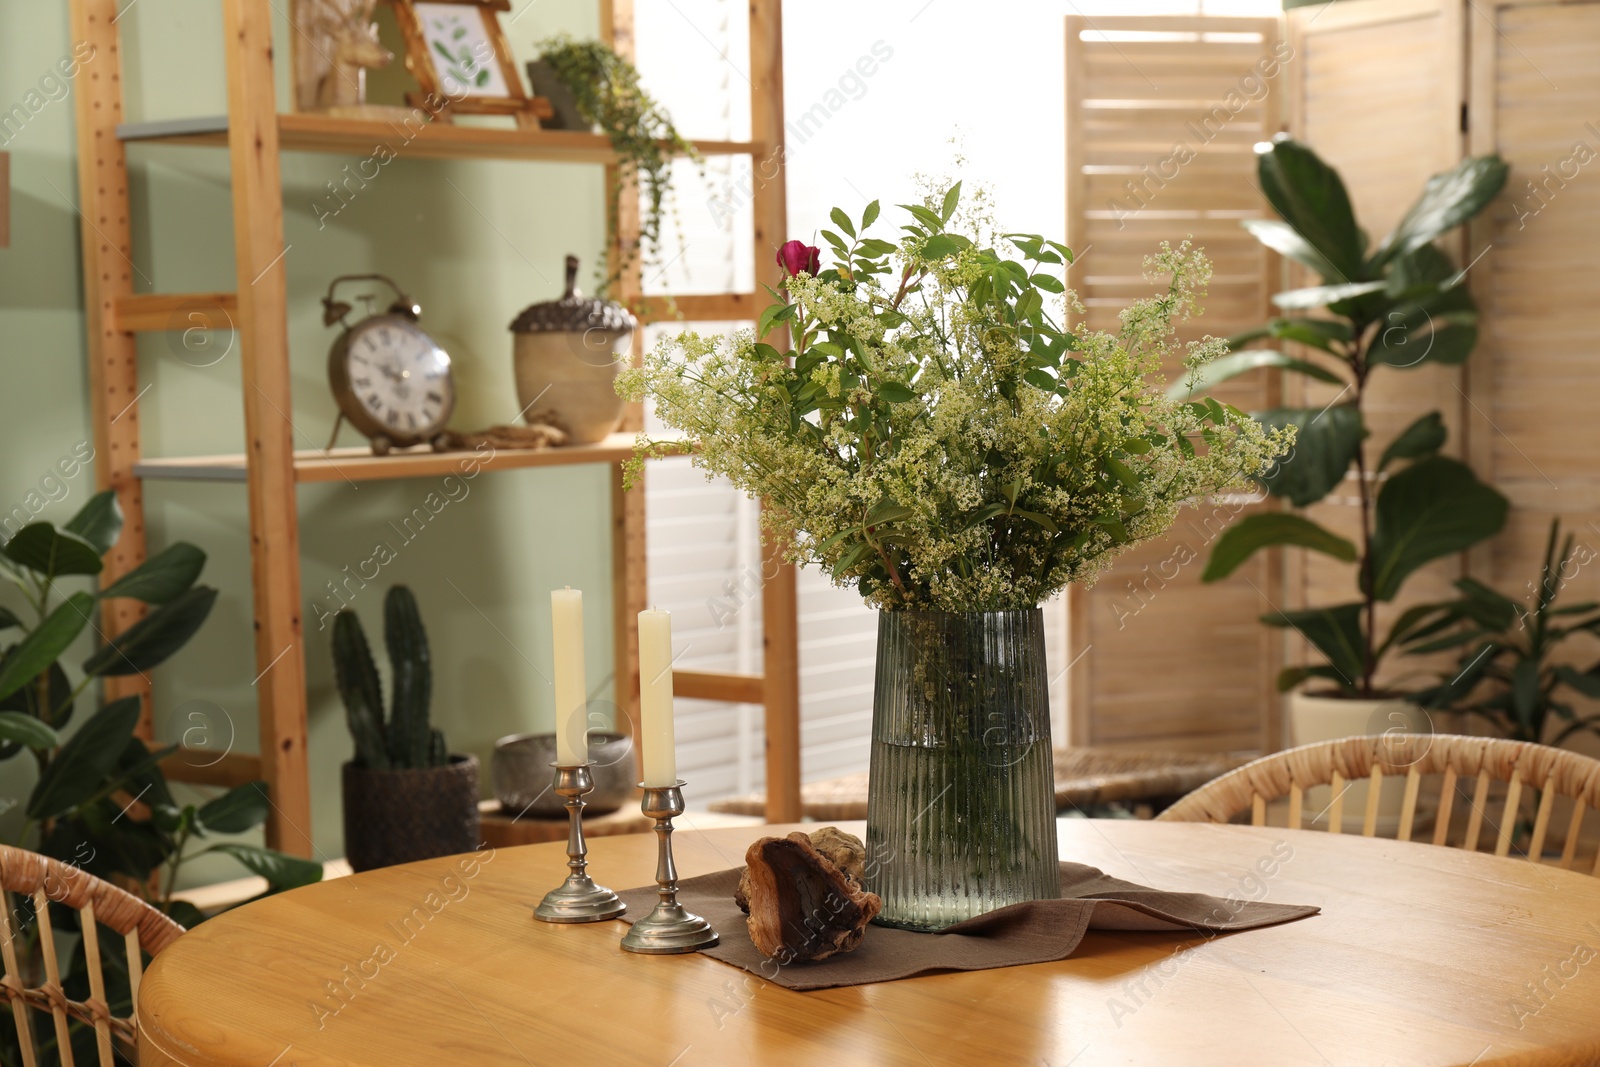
[(395, 817)]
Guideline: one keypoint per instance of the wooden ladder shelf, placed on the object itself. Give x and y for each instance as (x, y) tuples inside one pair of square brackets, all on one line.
[(254, 134)]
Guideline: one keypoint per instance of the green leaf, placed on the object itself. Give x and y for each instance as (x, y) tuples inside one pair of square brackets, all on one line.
[(162, 576), (42, 548), (1525, 690), (841, 220), (8, 619), (1585, 682), (1429, 510), (852, 556), (938, 246), (153, 638), (1234, 364), (184, 913), (869, 216), (1286, 240), (280, 871), (99, 521), (138, 771), (78, 771), (26, 730), (1325, 445), (1448, 200), (896, 392), (1048, 282), (46, 643), (1319, 333), (1422, 438), (1290, 677), (1322, 295), (1486, 606), (887, 512), (1044, 522), (952, 197), (1311, 198), (244, 807), (1418, 334), (1335, 632), (1252, 533)]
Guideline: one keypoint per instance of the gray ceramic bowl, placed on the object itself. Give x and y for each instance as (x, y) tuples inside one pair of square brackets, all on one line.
[(523, 775)]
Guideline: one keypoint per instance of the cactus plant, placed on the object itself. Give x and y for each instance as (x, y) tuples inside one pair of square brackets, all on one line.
[(407, 740)]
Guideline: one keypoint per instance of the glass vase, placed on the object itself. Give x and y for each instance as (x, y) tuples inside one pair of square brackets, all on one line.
[(961, 799)]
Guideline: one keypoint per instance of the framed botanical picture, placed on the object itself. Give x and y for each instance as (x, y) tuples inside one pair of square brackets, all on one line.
[(458, 53)]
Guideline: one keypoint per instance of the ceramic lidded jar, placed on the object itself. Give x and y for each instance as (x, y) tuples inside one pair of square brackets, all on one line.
[(566, 356)]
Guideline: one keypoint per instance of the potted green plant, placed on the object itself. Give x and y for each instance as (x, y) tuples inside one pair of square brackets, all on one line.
[(406, 797), (79, 809), (603, 87), (934, 437), (101, 801), (1506, 673), (1384, 310)]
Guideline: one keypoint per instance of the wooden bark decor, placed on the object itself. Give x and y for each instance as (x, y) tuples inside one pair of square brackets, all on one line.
[(803, 895)]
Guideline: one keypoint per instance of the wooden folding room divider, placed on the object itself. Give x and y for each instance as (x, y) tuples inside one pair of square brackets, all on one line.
[(1162, 116), (1389, 92), (255, 133)]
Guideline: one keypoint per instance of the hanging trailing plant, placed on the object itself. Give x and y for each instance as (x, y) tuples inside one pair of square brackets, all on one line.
[(606, 91)]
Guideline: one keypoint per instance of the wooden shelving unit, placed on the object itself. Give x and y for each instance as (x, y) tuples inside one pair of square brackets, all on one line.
[(255, 134)]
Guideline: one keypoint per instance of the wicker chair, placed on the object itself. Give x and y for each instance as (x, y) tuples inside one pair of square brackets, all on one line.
[(1521, 765), (142, 927)]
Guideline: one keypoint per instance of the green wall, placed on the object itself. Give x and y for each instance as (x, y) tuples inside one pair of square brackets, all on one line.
[(471, 242)]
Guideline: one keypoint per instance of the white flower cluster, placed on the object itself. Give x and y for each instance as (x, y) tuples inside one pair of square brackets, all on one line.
[(925, 440)]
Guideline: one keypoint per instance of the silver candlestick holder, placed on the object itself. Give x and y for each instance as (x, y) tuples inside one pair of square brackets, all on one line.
[(668, 928), (578, 899)]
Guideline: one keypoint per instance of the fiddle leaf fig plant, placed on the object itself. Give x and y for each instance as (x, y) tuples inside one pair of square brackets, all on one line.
[(1379, 310)]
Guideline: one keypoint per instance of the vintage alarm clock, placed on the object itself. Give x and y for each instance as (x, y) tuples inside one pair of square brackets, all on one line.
[(391, 380)]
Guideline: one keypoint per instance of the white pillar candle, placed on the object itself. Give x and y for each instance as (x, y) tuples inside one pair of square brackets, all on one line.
[(655, 698), (572, 726)]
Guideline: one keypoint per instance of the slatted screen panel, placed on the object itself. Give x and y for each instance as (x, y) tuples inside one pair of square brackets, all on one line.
[(1376, 88), (1162, 114), (1535, 378)]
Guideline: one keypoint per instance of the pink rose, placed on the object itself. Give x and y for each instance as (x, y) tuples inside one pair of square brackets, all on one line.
[(796, 256)]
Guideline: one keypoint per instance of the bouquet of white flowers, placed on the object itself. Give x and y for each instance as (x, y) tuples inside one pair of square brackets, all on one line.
[(938, 437)]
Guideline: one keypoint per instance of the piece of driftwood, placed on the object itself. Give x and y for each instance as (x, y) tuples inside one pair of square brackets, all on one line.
[(803, 895), (541, 435)]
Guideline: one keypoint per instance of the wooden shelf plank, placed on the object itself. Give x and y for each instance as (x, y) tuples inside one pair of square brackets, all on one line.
[(707, 307), (432, 140), (153, 312), (199, 766), (360, 465), (718, 685)]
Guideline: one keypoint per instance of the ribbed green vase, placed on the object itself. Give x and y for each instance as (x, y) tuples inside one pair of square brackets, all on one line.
[(961, 801)]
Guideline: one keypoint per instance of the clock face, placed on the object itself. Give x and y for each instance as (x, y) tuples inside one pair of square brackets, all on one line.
[(400, 377)]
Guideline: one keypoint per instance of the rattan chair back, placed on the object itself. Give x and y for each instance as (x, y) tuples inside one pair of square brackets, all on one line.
[(1458, 760), (144, 930)]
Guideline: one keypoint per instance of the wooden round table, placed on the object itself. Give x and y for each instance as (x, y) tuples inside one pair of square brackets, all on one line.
[(1421, 955)]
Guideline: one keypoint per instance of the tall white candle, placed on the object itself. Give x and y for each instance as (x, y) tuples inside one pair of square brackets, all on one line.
[(572, 734), (655, 698)]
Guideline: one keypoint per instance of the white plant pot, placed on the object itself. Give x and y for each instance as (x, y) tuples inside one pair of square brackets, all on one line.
[(1315, 718)]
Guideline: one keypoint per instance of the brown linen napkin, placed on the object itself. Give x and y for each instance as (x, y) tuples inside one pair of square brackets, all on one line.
[(1036, 932)]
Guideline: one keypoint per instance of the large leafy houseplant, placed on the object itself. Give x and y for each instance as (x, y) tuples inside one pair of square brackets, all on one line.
[(101, 801), (1383, 309), (936, 437), (1506, 672)]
